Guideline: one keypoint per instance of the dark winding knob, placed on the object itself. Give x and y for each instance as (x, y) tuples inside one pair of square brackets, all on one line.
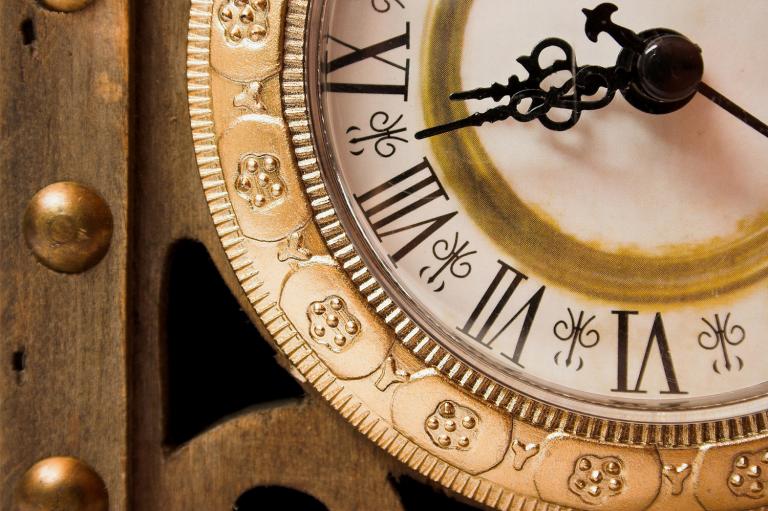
[(671, 68)]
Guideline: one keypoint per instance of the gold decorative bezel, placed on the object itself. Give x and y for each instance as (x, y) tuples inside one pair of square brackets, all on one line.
[(333, 321)]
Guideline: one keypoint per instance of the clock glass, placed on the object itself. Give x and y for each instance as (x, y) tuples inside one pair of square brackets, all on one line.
[(597, 236)]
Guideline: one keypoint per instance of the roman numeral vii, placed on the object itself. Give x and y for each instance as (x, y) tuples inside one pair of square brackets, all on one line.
[(495, 308)]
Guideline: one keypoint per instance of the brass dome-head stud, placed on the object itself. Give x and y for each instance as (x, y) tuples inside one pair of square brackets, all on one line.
[(61, 484), (65, 5), (68, 227)]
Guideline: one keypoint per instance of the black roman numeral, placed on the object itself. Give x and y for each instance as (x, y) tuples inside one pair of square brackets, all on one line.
[(400, 197), (530, 308), (371, 52), (658, 336)]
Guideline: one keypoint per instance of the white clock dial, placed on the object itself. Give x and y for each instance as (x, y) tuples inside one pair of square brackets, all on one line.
[(617, 268)]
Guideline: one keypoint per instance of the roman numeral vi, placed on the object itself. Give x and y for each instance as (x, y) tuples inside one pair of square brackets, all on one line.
[(657, 337)]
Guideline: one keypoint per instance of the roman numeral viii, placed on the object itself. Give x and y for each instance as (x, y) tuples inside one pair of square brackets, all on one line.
[(375, 52), (493, 308), (393, 208)]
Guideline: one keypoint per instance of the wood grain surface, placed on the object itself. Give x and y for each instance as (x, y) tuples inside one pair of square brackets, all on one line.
[(297, 444), (98, 96), (64, 103)]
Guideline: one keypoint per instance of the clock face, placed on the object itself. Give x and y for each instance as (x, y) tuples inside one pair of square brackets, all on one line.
[(616, 268)]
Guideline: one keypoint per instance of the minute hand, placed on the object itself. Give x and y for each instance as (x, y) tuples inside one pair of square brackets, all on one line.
[(733, 109), (528, 100)]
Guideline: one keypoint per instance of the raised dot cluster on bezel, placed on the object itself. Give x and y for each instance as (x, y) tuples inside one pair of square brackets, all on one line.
[(596, 479), (749, 474), (245, 19), (452, 426)]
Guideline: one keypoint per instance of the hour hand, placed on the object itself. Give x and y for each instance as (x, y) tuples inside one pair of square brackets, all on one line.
[(496, 91), (541, 102), (529, 100)]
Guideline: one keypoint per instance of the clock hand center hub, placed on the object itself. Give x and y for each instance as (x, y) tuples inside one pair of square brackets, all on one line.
[(665, 75), (666, 67), (671, 68)]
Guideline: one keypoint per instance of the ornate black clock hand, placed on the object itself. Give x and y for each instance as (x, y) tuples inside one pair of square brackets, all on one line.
[(658, 71), (586, 81), (599, 20)]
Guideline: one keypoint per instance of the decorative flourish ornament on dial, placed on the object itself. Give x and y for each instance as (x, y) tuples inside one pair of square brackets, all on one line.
[(617, 268)]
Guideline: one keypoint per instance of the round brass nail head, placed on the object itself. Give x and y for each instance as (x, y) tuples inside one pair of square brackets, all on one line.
[(65, 5), (61, 484), (68, 227)]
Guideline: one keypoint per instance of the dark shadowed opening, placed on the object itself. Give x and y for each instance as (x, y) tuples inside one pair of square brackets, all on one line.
[(217, 362)]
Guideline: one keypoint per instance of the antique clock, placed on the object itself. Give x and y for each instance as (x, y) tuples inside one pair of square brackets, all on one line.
[(517, 250), (520, 246)]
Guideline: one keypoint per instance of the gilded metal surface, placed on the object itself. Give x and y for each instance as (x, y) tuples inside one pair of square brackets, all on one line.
[(248, 108), (61, 484), (68, 227)]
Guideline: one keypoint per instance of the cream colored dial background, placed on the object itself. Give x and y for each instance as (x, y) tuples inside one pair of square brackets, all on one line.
[(624, 180), (697, 168)]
